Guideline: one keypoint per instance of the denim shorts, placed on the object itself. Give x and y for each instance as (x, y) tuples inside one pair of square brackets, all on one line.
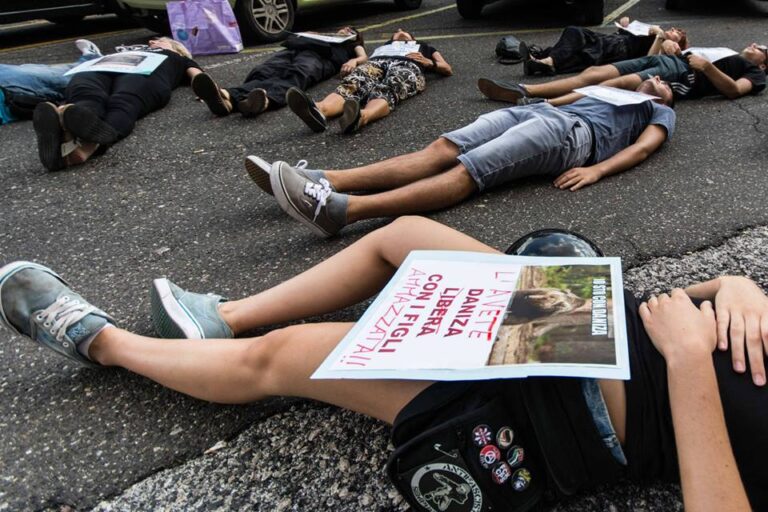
[(516, 142), (668, 67)]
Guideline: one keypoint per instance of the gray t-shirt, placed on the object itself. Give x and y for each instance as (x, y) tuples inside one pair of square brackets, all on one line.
[(616, 128)]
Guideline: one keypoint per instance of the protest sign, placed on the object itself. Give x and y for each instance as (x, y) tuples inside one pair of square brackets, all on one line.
[(449, 315), (138, 63)]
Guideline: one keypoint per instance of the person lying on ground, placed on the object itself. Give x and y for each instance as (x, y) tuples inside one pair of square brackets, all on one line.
[(373, 90), (102, 108), (23, 86), (576, 145), (579, 48), (304, 63), (683, 402), (690, 76)]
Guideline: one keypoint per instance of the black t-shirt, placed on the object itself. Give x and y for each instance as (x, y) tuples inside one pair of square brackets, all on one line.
[(735, 67), (637, 46), (173, 70), (336, 53), (425, 49), (650, 440)]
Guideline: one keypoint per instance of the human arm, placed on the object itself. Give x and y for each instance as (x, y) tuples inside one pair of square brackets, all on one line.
[(628, 82), (192, 72), (437, 63), (360, 58), (685, 336), (726, 85), (646, 144), (742, 313), (658, 43)]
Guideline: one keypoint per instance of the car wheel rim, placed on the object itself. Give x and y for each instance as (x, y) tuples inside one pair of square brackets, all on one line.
[(271, 15)]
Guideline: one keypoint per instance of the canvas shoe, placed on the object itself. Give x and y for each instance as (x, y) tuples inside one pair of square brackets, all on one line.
[(35, 302), (254, 103), (87, 47), (47, 125), (501, 91), (258, 169), (302, 105), (314, 204), (208, 90), (349, 122), (177, 313)]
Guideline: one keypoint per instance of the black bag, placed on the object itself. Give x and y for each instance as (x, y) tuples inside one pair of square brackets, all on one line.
[(484, 458), (508, 50)]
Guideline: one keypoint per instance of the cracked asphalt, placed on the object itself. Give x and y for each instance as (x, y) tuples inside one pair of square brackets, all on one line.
[(174, 200)]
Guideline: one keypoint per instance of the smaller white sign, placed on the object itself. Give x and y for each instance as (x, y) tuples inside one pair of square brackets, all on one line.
[(325, 38), (614, 96), (710, 54), (137, 63), (636, 28), (396, 49)]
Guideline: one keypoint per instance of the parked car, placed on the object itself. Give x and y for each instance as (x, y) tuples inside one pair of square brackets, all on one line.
[(56, 11), (584, 12), (259, 20), (757, 6)]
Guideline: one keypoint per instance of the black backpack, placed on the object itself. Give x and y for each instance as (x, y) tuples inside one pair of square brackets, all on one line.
[(508, 50)]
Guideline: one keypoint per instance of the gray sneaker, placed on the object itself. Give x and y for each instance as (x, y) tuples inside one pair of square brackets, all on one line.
[(258, 169), (501, 91), (35, 302), (177, 313), (314, 204)]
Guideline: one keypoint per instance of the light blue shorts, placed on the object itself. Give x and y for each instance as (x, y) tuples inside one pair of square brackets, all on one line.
[(516, 142)]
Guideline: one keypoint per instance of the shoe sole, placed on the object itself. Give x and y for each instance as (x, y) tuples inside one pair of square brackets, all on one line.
[(45, 121), (299, 105), (350, 119), (276, 179), (259, 174), (169, 316), (207, 90), (87, 126), (253, 105), (493, 91), (6, 272)]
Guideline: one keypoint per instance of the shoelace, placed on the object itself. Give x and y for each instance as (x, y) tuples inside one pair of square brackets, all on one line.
[(319, 192), (62, 314)]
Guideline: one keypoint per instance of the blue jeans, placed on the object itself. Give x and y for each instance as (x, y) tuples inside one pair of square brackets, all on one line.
[(42, 80), (596, 404), (512, 143)]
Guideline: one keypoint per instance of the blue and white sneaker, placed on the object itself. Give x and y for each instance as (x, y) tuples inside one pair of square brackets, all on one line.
[(35, 302), (177, 313)]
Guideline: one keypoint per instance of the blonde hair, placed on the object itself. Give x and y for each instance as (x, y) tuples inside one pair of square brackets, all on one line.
[(177, 46)]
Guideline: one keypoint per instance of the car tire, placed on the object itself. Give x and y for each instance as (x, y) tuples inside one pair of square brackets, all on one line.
[(758, 6), (265, 21), (470, 9), (407, 5), (65, 20)]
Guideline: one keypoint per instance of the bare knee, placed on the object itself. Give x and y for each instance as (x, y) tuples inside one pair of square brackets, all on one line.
[(442, 150), (399, 237), (257, 359)]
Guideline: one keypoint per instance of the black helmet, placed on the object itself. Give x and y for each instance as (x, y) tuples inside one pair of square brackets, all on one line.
[(554, 242)]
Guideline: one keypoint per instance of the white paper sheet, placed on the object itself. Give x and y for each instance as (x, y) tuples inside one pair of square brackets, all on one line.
[(710, 54), (614, 96), (138, 63), (396, 49), (637, 28), (325, 38)]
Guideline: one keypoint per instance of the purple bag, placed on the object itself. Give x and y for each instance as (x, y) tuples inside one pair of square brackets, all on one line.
[(205, 27)]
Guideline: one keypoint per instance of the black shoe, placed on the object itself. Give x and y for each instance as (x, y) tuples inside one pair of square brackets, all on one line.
[(303, 106), (45, 121), (207, 90), (350, 118), (536, 52), (525, 52), (254, 104), (534, 67), (501, 91), (87, 126)]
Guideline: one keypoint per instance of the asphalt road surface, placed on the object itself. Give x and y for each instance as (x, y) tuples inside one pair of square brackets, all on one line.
[(174, 200)]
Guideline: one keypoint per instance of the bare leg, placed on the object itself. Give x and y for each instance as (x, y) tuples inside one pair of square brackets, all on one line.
[(373, 111), (429, 194), (590, 76), (242, 371), (398, 171), (331, 106), (328, 287)]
